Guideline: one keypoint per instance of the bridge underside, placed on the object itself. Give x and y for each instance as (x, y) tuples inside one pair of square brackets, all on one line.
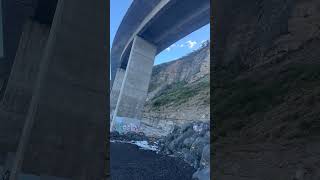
[(132, 58), (167, 22), (14, 15)]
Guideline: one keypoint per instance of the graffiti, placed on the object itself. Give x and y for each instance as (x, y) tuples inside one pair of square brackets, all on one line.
[(125, 125), (130, 127), (200, 127)]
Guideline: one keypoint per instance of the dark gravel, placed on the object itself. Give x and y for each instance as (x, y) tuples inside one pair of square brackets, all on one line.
[(127, 161)]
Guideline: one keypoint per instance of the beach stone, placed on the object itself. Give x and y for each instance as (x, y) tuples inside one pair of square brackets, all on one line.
[(205, 159), (202, 174), (198, 145)]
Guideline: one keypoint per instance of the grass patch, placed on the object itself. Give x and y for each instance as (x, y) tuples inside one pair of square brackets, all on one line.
[(260, 92), (179, 93)]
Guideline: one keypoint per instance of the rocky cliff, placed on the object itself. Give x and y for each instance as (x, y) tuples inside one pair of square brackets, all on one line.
[(266, 89), (179, 90)]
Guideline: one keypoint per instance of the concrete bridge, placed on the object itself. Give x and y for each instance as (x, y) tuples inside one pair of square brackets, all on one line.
[(54, 75), (148, 27)]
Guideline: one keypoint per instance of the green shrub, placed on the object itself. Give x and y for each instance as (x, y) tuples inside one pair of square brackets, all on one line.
[(179, 93)]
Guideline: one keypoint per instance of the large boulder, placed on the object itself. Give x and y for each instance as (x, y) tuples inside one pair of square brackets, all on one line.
[(175, 129), (201, 128), (205, 158), (188, 141), (114, 135), (198, 145), (186, 127), (129, 136), (202, 174), (207, 135), (190, 158), (177, 143), (136, 136)]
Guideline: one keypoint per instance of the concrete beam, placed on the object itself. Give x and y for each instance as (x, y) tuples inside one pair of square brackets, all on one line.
[(129, 23), (144, 23), (136, 80)]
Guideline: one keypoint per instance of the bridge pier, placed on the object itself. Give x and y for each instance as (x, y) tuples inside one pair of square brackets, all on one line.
[(114, 95), (64, 133), (136, 80), (20, 86)]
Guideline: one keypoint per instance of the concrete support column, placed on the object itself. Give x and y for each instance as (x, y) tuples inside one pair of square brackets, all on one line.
[(114, 95), (25, 67), (135, 85), (1, 32), (18, 92), (65, 131)]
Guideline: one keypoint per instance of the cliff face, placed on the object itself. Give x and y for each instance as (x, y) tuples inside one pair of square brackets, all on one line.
[(256, 32), (179, 90), (266, 89)]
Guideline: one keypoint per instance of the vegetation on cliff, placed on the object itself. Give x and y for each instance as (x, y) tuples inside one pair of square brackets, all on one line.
[(273, 101), (179, 87)]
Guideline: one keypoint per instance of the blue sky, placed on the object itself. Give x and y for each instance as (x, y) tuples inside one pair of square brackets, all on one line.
[(180, 48)]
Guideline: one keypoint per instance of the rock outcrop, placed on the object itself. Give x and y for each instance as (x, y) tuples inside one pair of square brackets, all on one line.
[(257, 32), (266, 89), (179, 91), (191, 142)]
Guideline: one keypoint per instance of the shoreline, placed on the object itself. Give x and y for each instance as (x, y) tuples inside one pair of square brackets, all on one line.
[(128, 161)]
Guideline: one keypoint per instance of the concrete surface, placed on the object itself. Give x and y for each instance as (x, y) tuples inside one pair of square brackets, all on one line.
[(155, 23), (1, 32), (66, 99), (71, 96), (128, 25), (135, 84), (114, 95), (14, 15), (19, 89)]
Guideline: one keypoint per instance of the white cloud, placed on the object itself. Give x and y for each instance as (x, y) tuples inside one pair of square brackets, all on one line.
[(169, 48), (191, 44), (203, 41), (181, 45)]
